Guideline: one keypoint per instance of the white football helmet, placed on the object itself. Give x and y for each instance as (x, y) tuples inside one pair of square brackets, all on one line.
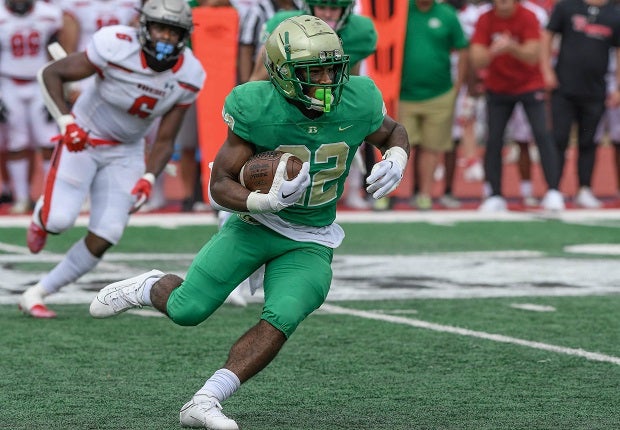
[(174, 13)]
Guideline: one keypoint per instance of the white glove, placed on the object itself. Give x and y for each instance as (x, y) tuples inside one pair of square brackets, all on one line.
[(387, 173), (282, 193)]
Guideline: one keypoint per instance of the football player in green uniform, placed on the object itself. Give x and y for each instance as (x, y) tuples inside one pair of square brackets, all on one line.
[(359, 40), (312, 109)]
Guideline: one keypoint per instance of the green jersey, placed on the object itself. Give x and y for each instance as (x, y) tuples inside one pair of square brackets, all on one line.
[(359, 37), (258, 113), (431, 37)]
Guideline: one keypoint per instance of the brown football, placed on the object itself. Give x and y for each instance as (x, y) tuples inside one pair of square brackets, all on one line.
[(258, 172)]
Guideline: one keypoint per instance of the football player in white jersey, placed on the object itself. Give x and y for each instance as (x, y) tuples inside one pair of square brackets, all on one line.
[(26, 28), (88, 16), (92, 15), (142, 74)]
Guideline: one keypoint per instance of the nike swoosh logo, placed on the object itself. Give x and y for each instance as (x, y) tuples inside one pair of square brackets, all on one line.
[(344, 128), (286, 196)]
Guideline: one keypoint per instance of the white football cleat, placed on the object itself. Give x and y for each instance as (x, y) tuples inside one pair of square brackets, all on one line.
[(31, 303), (122, 295), (205, 412)]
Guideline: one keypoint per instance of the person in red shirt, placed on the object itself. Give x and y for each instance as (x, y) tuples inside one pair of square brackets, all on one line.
[(506, 41)]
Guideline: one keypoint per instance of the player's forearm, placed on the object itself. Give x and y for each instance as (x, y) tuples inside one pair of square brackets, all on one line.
[(159, 156), (397, 138), (52, 89), (229, 194)]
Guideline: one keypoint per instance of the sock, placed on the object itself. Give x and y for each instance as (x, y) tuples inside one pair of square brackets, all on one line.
[(526, 188), (76, 263), (146, 292), (221, 385), (18, 170), (46, 167)]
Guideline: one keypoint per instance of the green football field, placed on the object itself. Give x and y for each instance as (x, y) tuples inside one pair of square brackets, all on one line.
[(436, 321)]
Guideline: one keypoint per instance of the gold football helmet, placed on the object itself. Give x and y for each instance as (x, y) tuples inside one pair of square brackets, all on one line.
[(297, 45)]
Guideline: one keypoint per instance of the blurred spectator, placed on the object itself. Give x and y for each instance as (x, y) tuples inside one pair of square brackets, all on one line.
[(519, 139), (250, 31), (588, 30), (609, 126), (519, 133), (26, 28), (506, 41), (465, 117), (428, 92)]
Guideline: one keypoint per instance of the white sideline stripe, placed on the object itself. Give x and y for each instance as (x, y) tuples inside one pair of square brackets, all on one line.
[(593, 356)]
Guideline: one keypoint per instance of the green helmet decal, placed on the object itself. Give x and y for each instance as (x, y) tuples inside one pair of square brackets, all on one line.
[(294, 48)]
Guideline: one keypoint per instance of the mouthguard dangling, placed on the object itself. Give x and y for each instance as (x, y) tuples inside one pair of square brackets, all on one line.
[(325, 95)]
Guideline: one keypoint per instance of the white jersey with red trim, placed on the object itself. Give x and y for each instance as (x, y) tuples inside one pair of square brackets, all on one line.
[(93, 15), (128, 95), (23, 39)]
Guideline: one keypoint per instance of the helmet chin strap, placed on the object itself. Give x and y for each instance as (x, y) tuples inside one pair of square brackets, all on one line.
[(322, 100)]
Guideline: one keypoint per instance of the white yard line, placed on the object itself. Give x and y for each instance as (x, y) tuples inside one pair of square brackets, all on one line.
[(171, 220), (593, 356)]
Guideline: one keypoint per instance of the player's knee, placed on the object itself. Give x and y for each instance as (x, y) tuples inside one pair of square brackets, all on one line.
[(289, 314), (113, 232), (188, 312), (60, 222), (188, 316)]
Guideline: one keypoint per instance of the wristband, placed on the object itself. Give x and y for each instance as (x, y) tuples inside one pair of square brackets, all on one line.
[(149, 177), (398, 155), (258, 203), (63, 121)]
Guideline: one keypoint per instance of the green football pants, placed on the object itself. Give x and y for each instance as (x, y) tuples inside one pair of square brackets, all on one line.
[(297, 275)]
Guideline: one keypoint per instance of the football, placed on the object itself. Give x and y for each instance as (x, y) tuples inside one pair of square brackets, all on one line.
[(258, 172)]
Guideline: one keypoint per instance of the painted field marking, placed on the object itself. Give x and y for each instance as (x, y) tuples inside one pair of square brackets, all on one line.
[(532, 307), (593, 356)]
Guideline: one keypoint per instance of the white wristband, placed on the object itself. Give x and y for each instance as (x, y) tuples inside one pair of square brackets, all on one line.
[(149, 177), (258, 203), (398, 155), (63, 121)]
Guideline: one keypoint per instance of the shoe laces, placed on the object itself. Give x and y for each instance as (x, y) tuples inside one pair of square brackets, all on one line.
[(210, 406), (120, 298)]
